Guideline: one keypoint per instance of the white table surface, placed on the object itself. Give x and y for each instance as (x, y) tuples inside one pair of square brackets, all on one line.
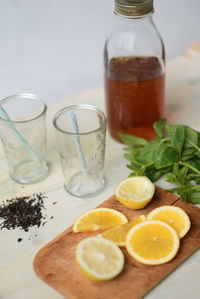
[(17, 278)]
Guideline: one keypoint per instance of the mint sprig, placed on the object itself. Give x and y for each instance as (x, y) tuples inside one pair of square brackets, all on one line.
[(174, 154)]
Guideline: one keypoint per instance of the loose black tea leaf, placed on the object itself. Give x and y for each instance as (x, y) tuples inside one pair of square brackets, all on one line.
[(22, 212)]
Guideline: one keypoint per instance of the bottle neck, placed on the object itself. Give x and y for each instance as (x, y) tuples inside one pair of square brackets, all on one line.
[(135, 19)]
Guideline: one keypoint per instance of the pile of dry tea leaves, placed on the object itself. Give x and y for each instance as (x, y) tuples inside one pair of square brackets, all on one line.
[(22, 212)]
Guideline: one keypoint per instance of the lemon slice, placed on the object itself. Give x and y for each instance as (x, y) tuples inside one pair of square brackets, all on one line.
[(152, 242), (174, 216), (118, 233), (135, 192), (99, 259), (100, 218)]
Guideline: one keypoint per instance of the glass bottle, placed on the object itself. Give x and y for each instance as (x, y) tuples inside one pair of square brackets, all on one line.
[(134, 61)]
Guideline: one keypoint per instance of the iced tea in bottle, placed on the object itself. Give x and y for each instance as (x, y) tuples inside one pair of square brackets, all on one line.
[(134, 60)]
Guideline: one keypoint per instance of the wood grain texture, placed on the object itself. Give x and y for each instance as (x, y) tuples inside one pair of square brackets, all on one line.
[(55, 262)]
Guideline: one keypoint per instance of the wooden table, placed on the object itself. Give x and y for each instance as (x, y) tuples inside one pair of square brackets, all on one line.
[(17, 279)]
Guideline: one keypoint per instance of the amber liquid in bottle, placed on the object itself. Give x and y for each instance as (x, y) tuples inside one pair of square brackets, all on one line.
[(134, 88)]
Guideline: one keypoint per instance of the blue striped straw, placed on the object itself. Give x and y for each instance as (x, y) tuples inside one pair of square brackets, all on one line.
[(17, 134), (77, 142)]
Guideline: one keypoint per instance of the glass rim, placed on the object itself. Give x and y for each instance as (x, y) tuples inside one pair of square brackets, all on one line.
[(25, 96), (81, 107)]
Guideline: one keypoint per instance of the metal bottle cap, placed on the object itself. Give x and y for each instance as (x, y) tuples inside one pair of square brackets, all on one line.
[(133, 8)]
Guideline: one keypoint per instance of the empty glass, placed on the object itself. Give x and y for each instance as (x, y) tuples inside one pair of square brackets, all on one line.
[(23, 135), (81, 132)]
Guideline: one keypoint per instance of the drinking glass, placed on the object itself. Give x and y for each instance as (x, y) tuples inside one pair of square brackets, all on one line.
[(23, 135), (81, 132)]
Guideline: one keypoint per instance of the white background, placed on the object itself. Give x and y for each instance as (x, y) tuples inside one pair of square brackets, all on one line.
[(54, 48)]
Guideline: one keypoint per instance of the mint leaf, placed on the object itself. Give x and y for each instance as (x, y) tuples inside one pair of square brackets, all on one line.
[(177, 135), (188, 153), (184, 174), (166, 156), (180, 174), (159, 126), (132, 159), (154, 175), (147, 154), (134, 151), (190, 193), (191, 138), (171, 178), (194, 197), (133, 140)]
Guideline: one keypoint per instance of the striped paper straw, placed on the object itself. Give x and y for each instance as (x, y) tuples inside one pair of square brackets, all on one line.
[(17, 134), (77, 142)]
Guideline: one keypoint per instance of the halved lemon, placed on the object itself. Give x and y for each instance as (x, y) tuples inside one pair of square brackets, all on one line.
[(152, 242), (135, 192), (118, 233), (99, 259), (174, 216), (100, 218)]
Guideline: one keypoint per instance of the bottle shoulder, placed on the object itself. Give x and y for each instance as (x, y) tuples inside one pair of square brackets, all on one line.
[(125, 32), (132, 38)]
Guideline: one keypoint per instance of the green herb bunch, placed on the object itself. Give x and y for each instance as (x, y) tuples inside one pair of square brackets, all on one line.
[(174, 154)]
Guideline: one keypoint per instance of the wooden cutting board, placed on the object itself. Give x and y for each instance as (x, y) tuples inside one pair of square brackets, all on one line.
[(55, 262)]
